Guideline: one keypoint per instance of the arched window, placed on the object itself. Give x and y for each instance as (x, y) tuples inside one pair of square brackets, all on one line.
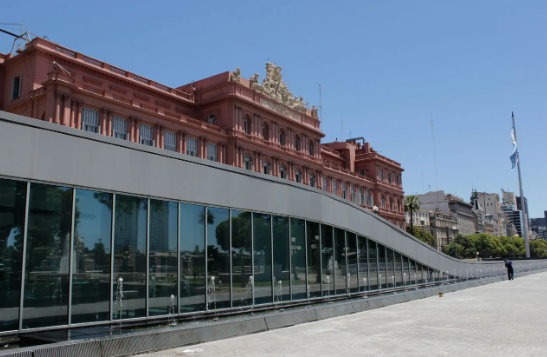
[(265, 131), (297, 143), (312, 180), (266, 167), (211, 119), (246, 125), (311, 148), (282, 171), (298, 176), (248, 162), (281, 137), (383, 202)]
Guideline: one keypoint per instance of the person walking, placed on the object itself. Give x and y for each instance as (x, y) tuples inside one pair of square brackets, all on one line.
[(510, 271)]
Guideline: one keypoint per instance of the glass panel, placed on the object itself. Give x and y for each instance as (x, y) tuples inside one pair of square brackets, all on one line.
[(362, 257), (412, 274), (241, 258), (281, 259), (398, 269), (406, 271), (192, 258), (314, 268), (91, 257), (339, 262), (218, 257), (419, 273), (262, 245), (13, 196), (130, 257), (47, 256), (163, 279), (372, 265), (298, 259), (390, 274), (327, 260), (382, 278), (351, 252)]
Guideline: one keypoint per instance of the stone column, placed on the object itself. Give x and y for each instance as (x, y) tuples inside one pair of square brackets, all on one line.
[(66, 110), (137, 131), (73, 113), (159, 136), (180, 146), (107, 121), (58, 113)]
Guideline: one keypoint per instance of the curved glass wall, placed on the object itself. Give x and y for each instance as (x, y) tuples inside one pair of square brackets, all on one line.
[(218, 257), (91, 256), (13, 199), (56, 244), (192, 258)]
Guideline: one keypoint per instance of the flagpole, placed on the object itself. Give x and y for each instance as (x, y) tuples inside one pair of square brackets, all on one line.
[(522, 199)]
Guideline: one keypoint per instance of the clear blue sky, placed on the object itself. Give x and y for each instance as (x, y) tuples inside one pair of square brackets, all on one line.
[(385, 67)]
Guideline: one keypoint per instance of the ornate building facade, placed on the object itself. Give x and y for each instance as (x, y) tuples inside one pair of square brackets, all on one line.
[(224, 118)]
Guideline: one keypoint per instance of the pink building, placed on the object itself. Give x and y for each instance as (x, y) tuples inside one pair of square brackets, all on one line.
[(250, 124)]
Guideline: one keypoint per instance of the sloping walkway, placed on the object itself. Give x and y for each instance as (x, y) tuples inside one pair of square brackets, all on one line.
[(500, 319)]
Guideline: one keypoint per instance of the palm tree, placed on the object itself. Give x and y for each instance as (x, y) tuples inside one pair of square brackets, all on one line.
[(412, 203)]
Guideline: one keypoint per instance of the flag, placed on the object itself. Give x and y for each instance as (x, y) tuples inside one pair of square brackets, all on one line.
[(515, 155)]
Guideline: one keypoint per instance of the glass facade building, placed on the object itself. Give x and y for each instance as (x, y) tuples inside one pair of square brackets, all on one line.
[(73, 256)]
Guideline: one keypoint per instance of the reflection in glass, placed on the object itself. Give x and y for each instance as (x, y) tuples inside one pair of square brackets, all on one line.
[(47, 256), (389, 268), (192, 258), (327, 260), (281, 259), (398, 269), (242, 282), (382, 278), (419, 273), (13, 195), (130, 227), (373, 270), (362, 255), (406, 271), (262, 245), (298, 259), (351, 251), (314, 268), (163, 279), (218, 257), (339, 262), (91, 257)]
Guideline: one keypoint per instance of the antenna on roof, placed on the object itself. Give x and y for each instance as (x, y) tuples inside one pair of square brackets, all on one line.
[(25, 36)]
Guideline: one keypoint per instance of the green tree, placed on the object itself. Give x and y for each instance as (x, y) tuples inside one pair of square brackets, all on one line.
[(422, 235), (412, 203), (538, 248)]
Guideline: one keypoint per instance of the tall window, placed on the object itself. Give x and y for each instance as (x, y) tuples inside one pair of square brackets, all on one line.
[(335, 187), (90, 120), (248, 162), (298, 176), (362, 196), (265, 130), (370, 198), (383, 202), (266, 167), (389, 177), (211, 152), (297, 143), (281, 137), (311, 148), (16, 87), (192, 146), (119, 128), (282, 172), (170, 141), (391, 203), (147, 135), (344, 193), (381, 175), (246, 125), (352, 194), (312, 180), (325, 182), (397, 180), (211, 119)]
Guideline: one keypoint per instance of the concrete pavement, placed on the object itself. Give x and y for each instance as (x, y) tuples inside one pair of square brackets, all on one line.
[(500, 319)]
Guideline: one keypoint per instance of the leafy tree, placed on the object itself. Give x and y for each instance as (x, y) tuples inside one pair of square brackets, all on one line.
[(422, 235), (538, 248), (412, 203)]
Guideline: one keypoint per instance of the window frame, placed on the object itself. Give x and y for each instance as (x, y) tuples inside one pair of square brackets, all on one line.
[(19, 87), (169, 146), (118, 133), (189, 152), (214, 148), (145, 140), (210, 118), (86, 125)]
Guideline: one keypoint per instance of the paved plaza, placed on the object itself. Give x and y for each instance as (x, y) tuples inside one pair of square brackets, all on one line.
[(500, 319)]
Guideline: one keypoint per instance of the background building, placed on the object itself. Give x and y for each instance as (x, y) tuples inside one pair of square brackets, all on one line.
[(451, 205)]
